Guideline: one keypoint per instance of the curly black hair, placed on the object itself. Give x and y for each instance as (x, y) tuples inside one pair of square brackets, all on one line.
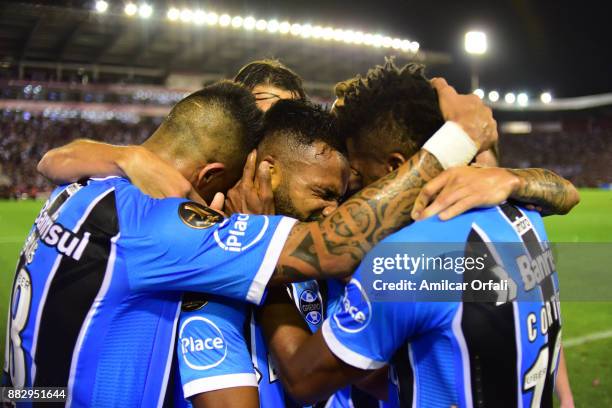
[(301, 123), (272, 72), (396, 102)]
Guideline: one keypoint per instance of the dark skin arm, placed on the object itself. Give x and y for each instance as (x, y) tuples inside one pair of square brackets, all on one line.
[(236, 397), (376, 383), (299, 355)]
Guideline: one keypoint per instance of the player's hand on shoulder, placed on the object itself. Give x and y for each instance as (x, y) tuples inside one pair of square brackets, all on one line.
[(253, 192), (460, 189), (154, 177), (469, 112)]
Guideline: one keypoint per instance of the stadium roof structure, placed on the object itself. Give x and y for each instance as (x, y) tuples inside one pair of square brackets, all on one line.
[(62, 37)]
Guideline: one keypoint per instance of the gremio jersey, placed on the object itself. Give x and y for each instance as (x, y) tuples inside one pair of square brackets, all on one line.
[(465, 354), (240, 357), (220, 345), (97, 290)]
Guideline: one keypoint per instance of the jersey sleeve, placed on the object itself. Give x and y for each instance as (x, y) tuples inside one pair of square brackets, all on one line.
[(212, 353), (362, 333), (177, 245)]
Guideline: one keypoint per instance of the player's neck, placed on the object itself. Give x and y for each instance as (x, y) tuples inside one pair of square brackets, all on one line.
[(185, 167)]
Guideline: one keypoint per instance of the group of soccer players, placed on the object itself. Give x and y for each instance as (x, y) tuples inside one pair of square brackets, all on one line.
[(274, 311)]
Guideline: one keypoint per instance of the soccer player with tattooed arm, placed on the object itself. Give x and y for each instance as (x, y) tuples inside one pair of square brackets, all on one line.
[(491, 351)]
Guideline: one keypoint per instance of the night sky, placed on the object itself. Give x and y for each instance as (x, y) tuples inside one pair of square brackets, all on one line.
[(534, 45)]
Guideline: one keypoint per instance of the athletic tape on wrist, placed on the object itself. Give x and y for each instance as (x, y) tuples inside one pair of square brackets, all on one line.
[(451, 146)]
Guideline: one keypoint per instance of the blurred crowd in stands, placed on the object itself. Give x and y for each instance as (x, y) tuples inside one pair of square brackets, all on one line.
[(583, 157), (25, 137)]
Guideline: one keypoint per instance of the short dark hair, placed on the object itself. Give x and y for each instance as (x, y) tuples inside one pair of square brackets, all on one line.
[(221, 119), (271, 72), (391, 98), (301, 123)]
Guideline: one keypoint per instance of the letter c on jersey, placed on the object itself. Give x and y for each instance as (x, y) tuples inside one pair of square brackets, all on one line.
[(356, 311), (202, 345)]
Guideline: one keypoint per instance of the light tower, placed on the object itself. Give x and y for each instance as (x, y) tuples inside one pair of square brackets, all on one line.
[(476, 46)]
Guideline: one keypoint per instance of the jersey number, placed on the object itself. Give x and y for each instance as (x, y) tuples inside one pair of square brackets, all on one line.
[(19, 312), (535, 377)]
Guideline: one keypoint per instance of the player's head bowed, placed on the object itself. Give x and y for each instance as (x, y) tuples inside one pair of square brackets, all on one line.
[(307, 156), (208, 135), (386, 117), (270, 81)]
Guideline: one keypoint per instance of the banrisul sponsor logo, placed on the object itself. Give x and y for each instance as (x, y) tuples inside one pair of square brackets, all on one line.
[(202, 343), (236, 234), (356, 307), (63, 239), (45, 229)]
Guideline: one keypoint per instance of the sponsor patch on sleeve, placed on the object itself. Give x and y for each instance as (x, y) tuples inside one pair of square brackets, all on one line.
[(198, 216)]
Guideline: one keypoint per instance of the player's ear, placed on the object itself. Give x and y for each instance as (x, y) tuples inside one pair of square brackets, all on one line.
[(209, 173), (394, 161), (275, 171)]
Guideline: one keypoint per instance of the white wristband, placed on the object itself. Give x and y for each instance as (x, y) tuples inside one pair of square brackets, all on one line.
[(451, 146)]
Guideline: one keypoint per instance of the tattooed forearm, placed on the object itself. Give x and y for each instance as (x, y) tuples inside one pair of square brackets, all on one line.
[(334, 246), (544, 188)]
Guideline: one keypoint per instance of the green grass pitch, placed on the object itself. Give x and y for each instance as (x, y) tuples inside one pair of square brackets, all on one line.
[(590, 364)]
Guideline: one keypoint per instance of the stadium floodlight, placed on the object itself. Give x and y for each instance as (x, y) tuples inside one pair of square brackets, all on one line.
[(475, 42), (338, 34), (358, 38), (296, 29), (249, 23), (186, 15), (130, 9), (261, 25), (225, 20), (348, 36), (199, 17), (212, 18), (546, 97), (377, 40), (510, 98), (306, 31), (479, 93), (273, 26), (237, 22), (522, 99), (494, 96), (173, 14), (328, 33), (284, 27), (101, 6), (145, 10)]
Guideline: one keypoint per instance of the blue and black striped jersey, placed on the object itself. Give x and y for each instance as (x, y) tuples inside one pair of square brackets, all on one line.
[(463, 352), (97, 291)]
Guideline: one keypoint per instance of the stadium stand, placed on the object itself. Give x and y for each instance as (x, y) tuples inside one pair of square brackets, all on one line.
[(577, 145)]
